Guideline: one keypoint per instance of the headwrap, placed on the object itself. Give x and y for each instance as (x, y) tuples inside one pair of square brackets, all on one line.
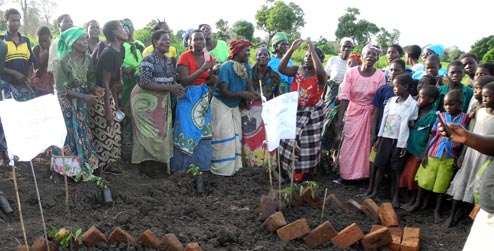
[(67, 39), (238, 45), (278, 37), (346, 39), (319, 53), (127, 25), (436, 48), (356, 57), (369, 47), (262, 49), (185, 37)]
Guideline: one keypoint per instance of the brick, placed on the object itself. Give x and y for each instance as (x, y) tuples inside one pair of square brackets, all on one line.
[(294, 230), (267, 207), (371, 209), (22, 248), (93, 236), (411, 239), (40, 245), (275, 221), (396, 234), (148, 239), (387, 215), (119, 235), (377, 239), (376, 227), (171, 243), (194, 246), (296, 199), (307, 196), (321, 234), (354, 206), (474, 212), (348, 236), (336, 203)]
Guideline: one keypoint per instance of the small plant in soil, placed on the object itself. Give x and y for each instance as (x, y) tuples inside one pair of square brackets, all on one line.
[(87, 175), (197, 175), (313, 188), (67, 237)]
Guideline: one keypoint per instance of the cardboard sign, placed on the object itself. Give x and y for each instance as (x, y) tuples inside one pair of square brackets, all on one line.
[(280, 118)]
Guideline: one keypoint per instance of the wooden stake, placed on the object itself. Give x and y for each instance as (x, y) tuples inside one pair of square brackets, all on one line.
[(324, 201), (266, 152), (293, 169), (66, 184), (279, 180), (40, 207), (260, 88), (19, 204)]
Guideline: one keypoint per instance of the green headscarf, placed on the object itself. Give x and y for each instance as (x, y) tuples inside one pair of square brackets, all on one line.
[(127, 25), (278, 37), (67, 39)]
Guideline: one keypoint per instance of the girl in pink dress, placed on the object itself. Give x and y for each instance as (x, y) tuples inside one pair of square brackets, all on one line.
[(358, 87)]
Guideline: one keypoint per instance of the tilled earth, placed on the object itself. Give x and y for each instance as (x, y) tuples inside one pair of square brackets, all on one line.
[(221, 218)]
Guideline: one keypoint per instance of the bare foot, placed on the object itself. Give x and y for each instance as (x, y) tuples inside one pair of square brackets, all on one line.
[(437, 218), (414, 207)]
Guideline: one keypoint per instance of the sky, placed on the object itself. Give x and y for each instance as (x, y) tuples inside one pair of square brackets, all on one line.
[(421, 22)]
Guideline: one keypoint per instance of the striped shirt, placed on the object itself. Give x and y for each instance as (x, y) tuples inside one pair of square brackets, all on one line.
[(439, 145)]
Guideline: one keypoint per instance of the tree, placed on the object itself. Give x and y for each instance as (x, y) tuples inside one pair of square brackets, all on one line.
[(481, 47), (243, 29), (362, 31), (277, 16), (223, 32), (384, 39), (46, 8)]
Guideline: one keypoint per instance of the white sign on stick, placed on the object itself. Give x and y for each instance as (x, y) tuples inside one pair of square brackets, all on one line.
[(32, 126), (280, 118)]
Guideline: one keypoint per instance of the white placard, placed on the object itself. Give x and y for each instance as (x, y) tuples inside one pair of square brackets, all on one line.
[(280, 118), (32, 126)]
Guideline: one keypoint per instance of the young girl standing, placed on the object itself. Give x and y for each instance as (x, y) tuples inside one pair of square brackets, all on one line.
[(418, 139), (461, 188), (436, 170), (393, 136)]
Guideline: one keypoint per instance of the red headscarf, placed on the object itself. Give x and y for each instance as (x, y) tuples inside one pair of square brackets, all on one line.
[(357, 57), (238, 45)]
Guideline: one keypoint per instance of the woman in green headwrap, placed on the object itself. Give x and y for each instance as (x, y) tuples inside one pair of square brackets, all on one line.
[(279, 46), (76, 88)]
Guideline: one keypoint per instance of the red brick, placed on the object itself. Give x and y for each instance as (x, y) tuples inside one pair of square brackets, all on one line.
[(294, 230), (335, 202), (396, 234), (93, 236), (307, 196), (376, 227), (411, 239), (474, 212), (377, 239), (387, 215), (40, 245), (194, 246), (22, 248), (348, 236), (120, 236), (354, 206), (296, 199), (275, 221), (321, 234), (171, 243), (148, 239), (267, 207), (370, 208)]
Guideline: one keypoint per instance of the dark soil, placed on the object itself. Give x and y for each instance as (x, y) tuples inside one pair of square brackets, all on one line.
[(222, 218)]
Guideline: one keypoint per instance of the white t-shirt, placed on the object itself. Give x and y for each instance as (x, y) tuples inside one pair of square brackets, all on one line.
[(335, 68), (394, 124)]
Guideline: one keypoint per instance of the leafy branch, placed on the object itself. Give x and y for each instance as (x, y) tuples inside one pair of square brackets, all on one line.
[(87, 175), (67, 236), (193, 170)]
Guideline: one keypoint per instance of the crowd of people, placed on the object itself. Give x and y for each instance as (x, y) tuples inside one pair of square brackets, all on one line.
[(202, 107)]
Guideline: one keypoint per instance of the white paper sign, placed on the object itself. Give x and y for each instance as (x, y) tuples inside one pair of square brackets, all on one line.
[(32, 126), (280, 118)]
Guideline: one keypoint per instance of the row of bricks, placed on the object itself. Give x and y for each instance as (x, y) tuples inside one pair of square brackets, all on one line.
[(94, 236), (395, 238)]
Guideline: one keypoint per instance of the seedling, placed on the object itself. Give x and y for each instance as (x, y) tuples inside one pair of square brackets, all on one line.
[(67, 236), (193, 170), (313, 188), (86, 175)]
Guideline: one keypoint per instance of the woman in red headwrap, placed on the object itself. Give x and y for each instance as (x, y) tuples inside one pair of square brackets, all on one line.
[(310, 82), (234, 86)]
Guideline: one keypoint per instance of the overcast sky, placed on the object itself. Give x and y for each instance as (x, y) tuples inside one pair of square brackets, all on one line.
[(420, 22)]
